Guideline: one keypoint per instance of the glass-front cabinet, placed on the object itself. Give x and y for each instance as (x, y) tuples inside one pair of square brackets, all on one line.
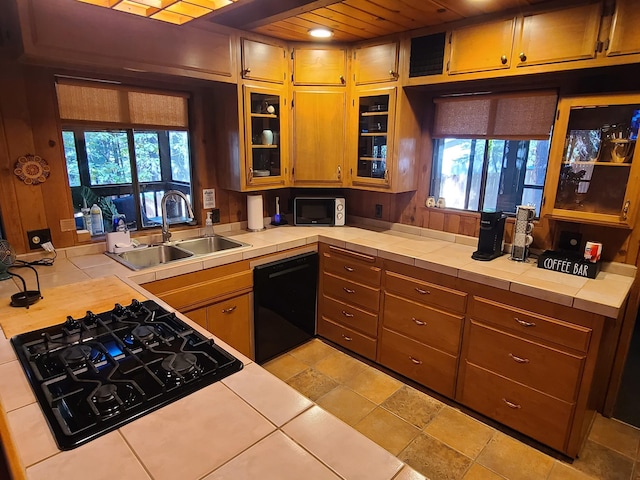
[(264, 129), (595, 172), (376, 113)]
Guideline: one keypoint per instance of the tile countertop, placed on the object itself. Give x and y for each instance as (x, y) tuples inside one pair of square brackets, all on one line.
[(248, 425), (439, 251)]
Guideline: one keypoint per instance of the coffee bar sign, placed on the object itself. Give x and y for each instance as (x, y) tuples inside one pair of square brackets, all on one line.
[(550, 260)]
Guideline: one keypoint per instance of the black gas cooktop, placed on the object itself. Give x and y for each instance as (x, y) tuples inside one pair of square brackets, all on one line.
[(93, 374)]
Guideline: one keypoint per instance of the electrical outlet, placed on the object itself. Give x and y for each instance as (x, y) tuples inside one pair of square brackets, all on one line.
[(38, 237), (378, 210), (215, 215)]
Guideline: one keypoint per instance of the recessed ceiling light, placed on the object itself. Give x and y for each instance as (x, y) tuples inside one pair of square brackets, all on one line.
[(320, 32)]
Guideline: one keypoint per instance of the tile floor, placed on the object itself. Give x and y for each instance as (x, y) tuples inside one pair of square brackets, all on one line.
[(436, 438)]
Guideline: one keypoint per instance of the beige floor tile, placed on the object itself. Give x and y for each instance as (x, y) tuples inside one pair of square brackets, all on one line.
[(616, 435), (441, 462), (478, 472), (312, 384), (285, 366), (387, 430), (340, 367), (312, 352), (413, 406), (602, 462), (562, 471), (346, 404), (514, 460), (373, 384), (277, 457), (459, 431)]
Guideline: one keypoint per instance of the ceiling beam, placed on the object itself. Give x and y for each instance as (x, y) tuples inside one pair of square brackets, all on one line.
[(257, 13)]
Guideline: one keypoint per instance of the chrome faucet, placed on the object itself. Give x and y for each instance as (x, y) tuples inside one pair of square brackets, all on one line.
[(166, 234)]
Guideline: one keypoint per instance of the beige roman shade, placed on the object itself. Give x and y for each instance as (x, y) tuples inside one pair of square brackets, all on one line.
[(527, 115), (94, 102)]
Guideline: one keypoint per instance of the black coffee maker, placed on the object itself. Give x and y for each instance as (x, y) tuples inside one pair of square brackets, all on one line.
[(490, 238)]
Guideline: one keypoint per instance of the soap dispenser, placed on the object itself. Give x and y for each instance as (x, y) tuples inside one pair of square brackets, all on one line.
[(208, 226)]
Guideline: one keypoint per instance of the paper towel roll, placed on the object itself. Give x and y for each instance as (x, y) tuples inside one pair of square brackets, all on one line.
[(254, 213)]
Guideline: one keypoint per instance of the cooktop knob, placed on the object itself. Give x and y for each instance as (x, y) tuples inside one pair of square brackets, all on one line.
[(119, 309), (71, 323), (90, 318)]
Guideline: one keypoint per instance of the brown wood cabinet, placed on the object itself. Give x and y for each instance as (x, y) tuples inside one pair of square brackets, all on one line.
[(625, 35), (482, 47), (319, 66), (421, 326), (263, 61), (376, 63), (319, 120), (348, 299), (218, 299), (558, 36)]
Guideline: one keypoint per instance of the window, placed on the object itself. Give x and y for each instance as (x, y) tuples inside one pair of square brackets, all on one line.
[(491, 152), (123, 150)]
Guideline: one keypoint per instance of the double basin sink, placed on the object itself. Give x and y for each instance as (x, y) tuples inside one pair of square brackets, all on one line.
[(154, 255)]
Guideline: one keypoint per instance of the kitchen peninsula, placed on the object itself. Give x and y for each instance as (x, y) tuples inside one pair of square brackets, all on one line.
[(250, 419)]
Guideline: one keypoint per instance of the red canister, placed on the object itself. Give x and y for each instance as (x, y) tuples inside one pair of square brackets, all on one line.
[(592, 251)]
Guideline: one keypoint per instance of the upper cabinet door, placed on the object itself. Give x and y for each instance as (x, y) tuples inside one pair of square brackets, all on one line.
[(376, 63), (319, 118), (481, 48), (558, 36), (625, 34), (263, 61), (319, 66)]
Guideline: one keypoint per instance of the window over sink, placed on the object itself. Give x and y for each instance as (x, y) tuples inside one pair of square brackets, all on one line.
[(491, 151), (124, 148)]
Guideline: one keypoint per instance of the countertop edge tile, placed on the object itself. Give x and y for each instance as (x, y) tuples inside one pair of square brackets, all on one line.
[(397, 257), (598, 308), (436, 267), (548, 295), (484, 279)]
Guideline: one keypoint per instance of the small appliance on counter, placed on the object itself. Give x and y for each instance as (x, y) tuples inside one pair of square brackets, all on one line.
[(319, 211), (491, 235), (92, 375), (522, 229)]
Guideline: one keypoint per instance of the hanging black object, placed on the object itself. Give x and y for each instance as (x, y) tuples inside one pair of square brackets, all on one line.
[(25, 298)]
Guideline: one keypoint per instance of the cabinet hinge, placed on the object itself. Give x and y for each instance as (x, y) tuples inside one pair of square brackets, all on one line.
[(606, 44), (557, 115), (353, 102), (293, 171), (599, 46), (292, 78), (291, 103), (450, 36), (354, 55), (448, 65), (291, 54), (284, 100)]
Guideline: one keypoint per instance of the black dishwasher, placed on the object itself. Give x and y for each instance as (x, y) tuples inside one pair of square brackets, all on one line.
[(284, 307)]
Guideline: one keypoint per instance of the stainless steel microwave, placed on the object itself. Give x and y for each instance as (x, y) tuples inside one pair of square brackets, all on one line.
[(319, 211)]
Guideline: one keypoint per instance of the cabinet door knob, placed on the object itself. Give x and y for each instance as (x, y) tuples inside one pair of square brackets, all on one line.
[(341, 77), (523, 323), (511, 404), (339, 171), (503, 59), (250, 174), (418, 322), (423, 292), (523, 57), (415, 360), (230, 309), (246, 71), (625, 209), (519, 359), (348, 290), (393, 74)]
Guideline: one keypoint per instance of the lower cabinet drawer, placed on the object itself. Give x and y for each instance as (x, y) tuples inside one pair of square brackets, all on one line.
[(349, 316), (348, 338), (529, 411), (351, 292), (435, 328), (546, 369), (428, 366)]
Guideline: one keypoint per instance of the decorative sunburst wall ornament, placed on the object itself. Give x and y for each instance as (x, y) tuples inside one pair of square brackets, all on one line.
[(32, 169)]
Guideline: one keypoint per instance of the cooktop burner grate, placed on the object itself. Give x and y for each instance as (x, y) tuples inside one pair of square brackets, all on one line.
[(94, 374)]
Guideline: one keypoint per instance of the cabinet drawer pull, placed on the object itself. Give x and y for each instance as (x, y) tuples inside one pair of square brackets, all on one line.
[(511, 404), (229, 310), (415, 360), (418, 322), (523, 57), (519, 359), (523, 323), (503, 59), (348, 290), (349, 269), (348, 339), (423, 292), (347, 314)]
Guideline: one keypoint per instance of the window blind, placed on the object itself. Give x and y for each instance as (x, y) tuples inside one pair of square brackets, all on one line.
[(94, 102), (527, 115)]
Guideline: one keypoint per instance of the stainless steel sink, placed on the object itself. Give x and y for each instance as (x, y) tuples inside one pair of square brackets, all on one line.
[(150, 256), (155, 255), (206, 245)]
